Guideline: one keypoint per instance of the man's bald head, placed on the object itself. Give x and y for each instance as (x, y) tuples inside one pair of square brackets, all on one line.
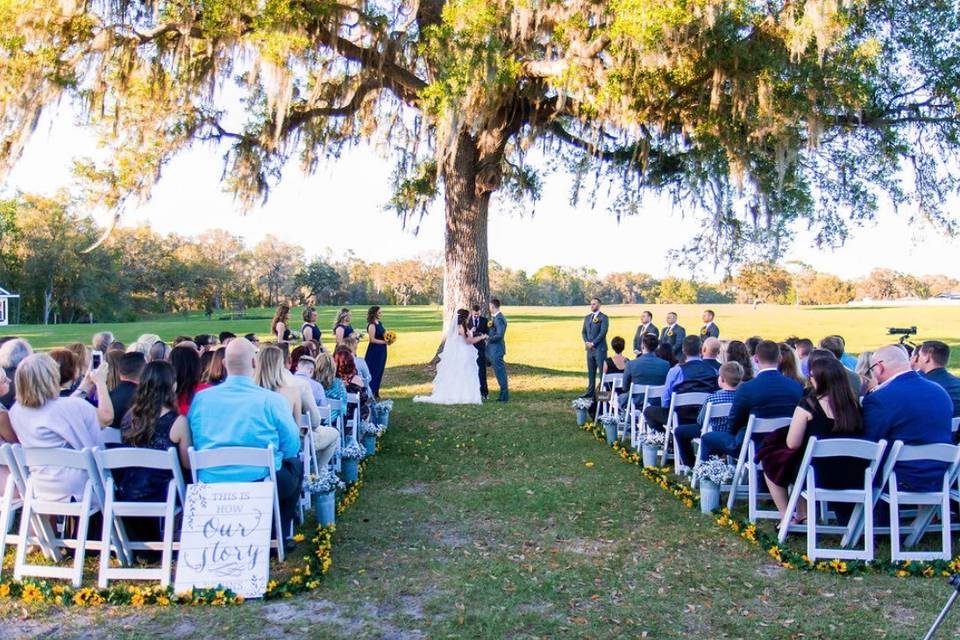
[(711, 348), (888, 361), (240, 358)]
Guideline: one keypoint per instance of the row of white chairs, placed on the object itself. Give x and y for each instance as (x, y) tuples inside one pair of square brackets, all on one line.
[(99, 496)]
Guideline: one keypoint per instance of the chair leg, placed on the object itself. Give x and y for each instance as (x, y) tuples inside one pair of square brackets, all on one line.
[(169, 524), (868, 541), (20, 559), (105, 541)]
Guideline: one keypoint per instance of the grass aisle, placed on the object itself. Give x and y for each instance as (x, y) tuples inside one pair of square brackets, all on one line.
[(489, 522)]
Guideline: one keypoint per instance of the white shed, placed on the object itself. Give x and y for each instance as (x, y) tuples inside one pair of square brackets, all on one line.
[(5, 298)]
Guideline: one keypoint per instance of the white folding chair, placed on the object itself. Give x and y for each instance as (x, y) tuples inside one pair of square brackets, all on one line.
[(11, 502), (862, 497), (678, 401), (36, 506), (928, 503), (326, 421), (955, 427), (610, 406), (131, 459), (638, 425), (244, 457), (308, 456), (712, 411), (112, 435), (746, 465), (352, 418)]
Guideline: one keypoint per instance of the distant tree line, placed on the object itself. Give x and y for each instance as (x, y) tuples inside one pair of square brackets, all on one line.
[(137, 272)]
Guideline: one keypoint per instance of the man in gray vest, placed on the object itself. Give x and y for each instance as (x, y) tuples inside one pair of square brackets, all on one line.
[(594, 336)]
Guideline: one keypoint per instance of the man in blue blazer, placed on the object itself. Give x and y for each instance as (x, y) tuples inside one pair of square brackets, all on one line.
[(769, 395), (931, 360), (906, 407), (648, 369)]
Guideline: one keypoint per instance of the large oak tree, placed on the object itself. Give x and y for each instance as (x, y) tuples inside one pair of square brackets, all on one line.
[(754, 115)]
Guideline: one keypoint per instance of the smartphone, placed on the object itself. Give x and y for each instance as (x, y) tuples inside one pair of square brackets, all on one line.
[(96, 359)]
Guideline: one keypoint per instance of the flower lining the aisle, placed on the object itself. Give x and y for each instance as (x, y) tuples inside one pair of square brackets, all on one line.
[(785, 556)]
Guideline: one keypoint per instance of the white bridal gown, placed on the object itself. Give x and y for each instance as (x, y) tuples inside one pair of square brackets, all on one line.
[(457, 380)]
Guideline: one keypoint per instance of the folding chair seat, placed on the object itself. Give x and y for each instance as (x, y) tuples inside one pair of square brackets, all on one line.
[(327, 421), (37, 507), (746, 465), (112, 435), (638, 424), (244, 457), (712, 411), (678, 401), (108, 461), (611, 406), (862, 496), (928, 503)]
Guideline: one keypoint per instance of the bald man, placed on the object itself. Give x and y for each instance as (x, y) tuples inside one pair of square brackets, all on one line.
[(710, 352), (906, 407), (238, 413)]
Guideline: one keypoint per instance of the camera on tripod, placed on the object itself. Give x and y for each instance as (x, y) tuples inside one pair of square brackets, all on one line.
[(904, 333)]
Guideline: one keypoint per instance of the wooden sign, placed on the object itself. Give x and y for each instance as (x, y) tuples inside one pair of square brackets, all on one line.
[(225, 538)]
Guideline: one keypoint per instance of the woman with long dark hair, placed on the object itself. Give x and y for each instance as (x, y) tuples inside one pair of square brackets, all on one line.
[(280, 327), (186, 365), (216, 370), (790, 363), (828, 410), (376, 355), (153, 423), (737, 352)]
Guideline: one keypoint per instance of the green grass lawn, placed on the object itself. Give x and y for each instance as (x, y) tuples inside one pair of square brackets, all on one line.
[(486, 522)]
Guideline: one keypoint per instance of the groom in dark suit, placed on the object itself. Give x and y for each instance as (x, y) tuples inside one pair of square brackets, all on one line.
[(479, 325), (594, 336)]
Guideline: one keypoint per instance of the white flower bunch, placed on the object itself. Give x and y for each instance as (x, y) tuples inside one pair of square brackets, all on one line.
[(354, 451), (581, 403), (385, 405), (715, 470), (609, 419), (656, 438), (324, 483), (369, 427)]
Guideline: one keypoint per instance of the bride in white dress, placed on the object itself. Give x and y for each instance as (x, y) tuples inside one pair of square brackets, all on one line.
[(457, 380)]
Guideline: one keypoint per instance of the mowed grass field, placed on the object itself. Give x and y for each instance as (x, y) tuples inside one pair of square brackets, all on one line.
[(507, 521)]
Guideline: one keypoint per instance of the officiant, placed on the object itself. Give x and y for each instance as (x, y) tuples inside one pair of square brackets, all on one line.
[(479, 325)]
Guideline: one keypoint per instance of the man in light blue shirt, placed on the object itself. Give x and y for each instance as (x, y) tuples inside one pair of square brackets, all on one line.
[(238, 413)]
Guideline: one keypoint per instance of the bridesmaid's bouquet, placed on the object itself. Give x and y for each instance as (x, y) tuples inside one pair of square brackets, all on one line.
[(390, 337)]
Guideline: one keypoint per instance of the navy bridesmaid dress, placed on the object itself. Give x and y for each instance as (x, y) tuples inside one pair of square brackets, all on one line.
[(376, 358)]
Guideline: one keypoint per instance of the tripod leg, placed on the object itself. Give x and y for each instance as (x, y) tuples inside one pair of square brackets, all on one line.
[(943, 614)]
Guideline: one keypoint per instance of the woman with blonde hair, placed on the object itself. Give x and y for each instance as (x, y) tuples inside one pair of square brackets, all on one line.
[(864, 369), (333, 387), (42, 419), (270, 375), (341, 328), (790, 363)]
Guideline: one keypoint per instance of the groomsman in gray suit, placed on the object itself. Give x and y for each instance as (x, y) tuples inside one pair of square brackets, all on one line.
[(646, 327), (497, 348), (673, 334), (709, 329), (594, 336)]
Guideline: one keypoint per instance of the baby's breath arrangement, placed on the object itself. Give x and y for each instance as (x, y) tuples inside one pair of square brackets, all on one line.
[(715, 469)]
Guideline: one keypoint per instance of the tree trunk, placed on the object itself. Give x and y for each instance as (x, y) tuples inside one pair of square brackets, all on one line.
[(465, 275)]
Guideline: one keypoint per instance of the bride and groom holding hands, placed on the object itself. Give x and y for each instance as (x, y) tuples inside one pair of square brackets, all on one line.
[(470, 341)]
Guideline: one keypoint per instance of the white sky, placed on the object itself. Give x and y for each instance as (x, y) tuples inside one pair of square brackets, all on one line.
[(353, 190)]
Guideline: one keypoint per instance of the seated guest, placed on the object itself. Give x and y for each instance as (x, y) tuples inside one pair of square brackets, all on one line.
[(828, 410), (186, 364), (205, 342), (6, 431), (646, 370), (42, 419), (665, 352), (143, 343), (67, 363), (238, 413), (907, 407), (769, 395), (129, 369), (729, 379), (215, 372), (616, 363), (101, 341), (153, 423), (752, 343), (931, 360), (803, 347), (737, 352), (12, 353), (206, 358), (92, 387), (305, 368), (225, 337), (710, 352), (269, 375), (834, 344), (864, 369), (333, 387), (346, 366), (837, 346), (159, 351), (112, 358), (790, 363), (252, 338), (692, 376), (117, 345), (84, 360)]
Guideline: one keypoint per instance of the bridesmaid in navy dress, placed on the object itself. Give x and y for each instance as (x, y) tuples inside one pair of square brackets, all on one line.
[(342, 328), (376, 356)]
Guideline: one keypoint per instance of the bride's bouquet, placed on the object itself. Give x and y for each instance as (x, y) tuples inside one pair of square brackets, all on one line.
[(390, 337)]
